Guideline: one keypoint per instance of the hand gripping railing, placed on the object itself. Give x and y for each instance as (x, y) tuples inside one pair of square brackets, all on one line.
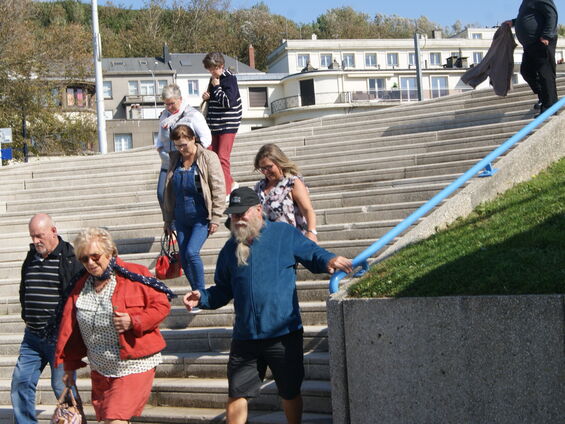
[(361, 259)]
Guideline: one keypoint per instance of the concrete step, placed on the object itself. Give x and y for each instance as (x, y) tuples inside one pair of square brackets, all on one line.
[(313, 313), (196, 393), (178, 415), (194, 339), (193, 365)]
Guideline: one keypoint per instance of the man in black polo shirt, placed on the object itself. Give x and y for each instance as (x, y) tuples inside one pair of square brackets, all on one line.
[(47, 271)]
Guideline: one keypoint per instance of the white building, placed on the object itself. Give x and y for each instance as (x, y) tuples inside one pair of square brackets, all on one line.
[(344, 76), (305, 79)]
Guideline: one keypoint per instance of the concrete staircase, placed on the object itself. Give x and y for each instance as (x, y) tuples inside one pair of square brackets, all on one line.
[(366, 172)]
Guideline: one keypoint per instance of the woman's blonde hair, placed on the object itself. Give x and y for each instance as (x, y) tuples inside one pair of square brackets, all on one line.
[(100, 236), (273, 152)]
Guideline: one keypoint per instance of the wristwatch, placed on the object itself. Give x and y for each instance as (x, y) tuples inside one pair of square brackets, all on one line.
[(312, 231)]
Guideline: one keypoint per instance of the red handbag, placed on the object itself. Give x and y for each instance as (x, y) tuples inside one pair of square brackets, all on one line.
[(168, 263)]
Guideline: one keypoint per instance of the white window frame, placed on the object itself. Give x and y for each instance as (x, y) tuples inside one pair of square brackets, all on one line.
[(192, 88), (133, 88), (322, 62), (107, 88), (371, 63), (392, 55), (435, 58), (412, 59), (348, 60), (120, 141), (476, 55), (476, 36), (406, 90), (436, 91), (302, 60), (147, 87)]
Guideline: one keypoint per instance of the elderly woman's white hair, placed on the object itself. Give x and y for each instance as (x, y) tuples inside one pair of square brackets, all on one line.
[(93, 234), (171, 91)]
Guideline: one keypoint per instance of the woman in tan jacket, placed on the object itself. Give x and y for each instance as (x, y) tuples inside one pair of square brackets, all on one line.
[(194, 198)]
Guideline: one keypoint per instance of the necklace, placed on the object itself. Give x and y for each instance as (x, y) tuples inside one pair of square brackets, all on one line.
[(99, 287)]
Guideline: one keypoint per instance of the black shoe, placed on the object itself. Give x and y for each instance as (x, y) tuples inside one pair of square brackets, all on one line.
[(537, 106)]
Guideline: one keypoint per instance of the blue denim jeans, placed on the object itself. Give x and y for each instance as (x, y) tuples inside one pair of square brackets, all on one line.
[(191, 237), (35, 354)]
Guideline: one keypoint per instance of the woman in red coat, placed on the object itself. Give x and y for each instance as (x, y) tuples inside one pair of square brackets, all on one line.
[(112, 316)]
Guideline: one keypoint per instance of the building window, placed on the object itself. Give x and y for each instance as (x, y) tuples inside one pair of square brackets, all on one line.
[(371, 60), (303, 60), (412, 59), (147, 88), (515, 79), (477, 57), (439, 87), (477, 36), (133, 88), (408, 88), (77, 97), (193, 88), (348, 60), (376, 88), (392, 59), (122, 142), (435, 59), (257, 96), (107, 85), (161, 84), (326, 60)]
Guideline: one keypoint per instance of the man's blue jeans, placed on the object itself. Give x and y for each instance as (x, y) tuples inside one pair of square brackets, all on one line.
[(35, 354)]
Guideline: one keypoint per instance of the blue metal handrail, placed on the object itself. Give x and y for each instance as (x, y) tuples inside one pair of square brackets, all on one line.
[(361, 259)]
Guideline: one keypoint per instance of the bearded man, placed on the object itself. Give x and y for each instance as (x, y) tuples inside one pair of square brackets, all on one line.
[(256, 268)]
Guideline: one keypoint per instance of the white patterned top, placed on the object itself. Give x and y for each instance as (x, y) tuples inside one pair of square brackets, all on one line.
[(94, 316), (278, 203)]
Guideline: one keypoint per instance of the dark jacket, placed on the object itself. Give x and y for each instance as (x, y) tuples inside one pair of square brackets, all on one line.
[(498, 64), (69, 266), (536, 18), (224, 108), (264, 290)]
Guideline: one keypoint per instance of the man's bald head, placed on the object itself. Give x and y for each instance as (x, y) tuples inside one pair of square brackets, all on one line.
[(43, 234)]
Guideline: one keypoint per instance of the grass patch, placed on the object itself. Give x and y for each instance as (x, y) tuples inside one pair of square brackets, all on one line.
[(514, 244)]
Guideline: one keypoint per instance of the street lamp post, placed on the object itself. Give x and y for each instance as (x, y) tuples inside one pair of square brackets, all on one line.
[(418, 67), (97, 47)]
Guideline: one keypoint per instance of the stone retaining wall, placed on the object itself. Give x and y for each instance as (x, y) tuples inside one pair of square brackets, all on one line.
[(482, 359)]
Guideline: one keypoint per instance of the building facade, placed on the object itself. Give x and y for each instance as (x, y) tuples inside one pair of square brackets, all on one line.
[(305, 79)]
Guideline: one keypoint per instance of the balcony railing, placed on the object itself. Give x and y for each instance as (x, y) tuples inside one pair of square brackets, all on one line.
[(374, 96)]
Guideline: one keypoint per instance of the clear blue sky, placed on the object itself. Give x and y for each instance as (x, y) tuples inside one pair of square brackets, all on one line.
[(443, 12)]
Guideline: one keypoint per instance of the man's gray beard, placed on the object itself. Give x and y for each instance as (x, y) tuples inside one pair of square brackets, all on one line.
[(248, 231)]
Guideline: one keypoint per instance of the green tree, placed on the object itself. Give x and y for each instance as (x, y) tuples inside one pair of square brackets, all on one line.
[(343, 22)]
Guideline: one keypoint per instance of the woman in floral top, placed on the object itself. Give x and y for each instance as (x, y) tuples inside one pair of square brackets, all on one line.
[(283, 194)]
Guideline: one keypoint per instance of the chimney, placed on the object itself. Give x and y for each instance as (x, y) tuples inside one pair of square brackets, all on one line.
[(252, 56), (166, 54), (436, 34)]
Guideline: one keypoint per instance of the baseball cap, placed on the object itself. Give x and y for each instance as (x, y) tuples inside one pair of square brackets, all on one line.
[(242, 199)]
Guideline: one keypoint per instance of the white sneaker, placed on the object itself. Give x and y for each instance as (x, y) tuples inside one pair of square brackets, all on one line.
[(195, 311)]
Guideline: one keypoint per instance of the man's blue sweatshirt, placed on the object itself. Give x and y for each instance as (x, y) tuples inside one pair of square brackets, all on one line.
[(264, 290)]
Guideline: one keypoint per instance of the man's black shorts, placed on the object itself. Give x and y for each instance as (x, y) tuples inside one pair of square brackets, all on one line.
[(249, 360)]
